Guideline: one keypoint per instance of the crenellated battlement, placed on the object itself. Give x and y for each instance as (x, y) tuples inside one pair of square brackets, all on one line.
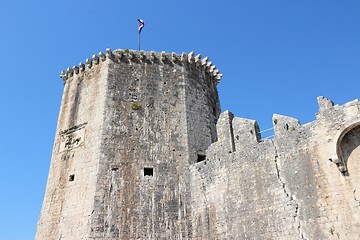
[(134, 56), (332, 124)]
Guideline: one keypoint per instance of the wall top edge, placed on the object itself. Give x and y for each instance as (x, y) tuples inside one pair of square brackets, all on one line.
[(136, 56)]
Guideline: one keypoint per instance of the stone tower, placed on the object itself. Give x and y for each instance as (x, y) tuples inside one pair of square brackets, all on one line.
[(130, 125)]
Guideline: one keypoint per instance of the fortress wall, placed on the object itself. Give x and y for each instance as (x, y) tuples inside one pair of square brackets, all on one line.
[(284, 188), (202, 110), (297, 169), (137, 155), (67, 206), (129, 203), (337, 178), (314, 175), (237, 194)]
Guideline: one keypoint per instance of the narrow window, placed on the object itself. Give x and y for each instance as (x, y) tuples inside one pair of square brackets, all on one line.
[(71, 177), (148, 171), (201, 158)]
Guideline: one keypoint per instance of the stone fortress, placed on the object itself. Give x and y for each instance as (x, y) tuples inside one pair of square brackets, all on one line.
[(142, 151)]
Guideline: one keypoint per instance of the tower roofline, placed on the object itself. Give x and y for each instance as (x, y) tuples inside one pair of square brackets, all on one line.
[(151, 57)]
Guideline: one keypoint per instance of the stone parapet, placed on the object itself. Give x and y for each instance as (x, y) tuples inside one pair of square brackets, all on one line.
[(134, 56), (301, 184)]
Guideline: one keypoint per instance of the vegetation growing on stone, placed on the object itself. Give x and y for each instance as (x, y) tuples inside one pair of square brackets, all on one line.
[(136, 105)]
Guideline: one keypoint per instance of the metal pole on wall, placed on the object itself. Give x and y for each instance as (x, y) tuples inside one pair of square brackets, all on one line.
[(141, 25), (139, 40)]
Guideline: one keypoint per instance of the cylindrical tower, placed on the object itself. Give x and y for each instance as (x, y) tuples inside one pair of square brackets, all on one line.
[(130, 124)]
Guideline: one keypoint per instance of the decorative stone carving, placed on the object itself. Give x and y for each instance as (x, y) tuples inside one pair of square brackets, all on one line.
[(76, 69), (82, 66), (95, 59), (183, 57), (102, 56), (70, 72), (152, 56), (162, 58), (72, 138), (204, 61), (191, 58), (141, 55), (198, 59), (109, 52), (173, 57), (88, 63), (63, 75)]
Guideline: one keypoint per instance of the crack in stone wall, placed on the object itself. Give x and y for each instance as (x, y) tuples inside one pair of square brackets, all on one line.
[(356, 200), (287, 193)]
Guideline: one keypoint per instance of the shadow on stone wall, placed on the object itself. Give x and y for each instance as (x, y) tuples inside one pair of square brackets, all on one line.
[(348, 147)]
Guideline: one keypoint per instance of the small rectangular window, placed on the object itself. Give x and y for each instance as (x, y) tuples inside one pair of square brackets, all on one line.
[(148, 171), (71, 177), (201, 158)]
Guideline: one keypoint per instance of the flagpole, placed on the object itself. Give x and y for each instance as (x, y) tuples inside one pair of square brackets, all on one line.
[(141, 25), (139, 40)]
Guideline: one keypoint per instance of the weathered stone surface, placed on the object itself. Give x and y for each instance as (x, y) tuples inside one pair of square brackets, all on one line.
[(142, 152), (129, 130), (289, 187)]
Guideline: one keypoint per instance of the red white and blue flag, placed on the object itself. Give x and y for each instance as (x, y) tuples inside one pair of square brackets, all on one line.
[(141, 24)]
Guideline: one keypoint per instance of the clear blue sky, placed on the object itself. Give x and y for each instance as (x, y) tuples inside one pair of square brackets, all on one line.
[(276, 56)]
